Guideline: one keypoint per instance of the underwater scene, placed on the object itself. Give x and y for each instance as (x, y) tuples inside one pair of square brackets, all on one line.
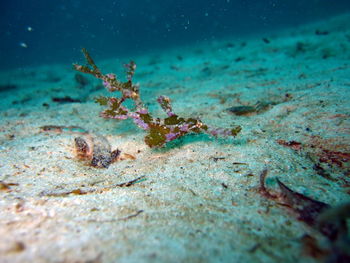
[(174, 131)]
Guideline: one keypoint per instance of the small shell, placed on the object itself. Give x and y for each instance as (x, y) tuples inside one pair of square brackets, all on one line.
[(96, 149)]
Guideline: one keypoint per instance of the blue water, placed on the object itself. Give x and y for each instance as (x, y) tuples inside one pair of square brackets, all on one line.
[(44, 32)]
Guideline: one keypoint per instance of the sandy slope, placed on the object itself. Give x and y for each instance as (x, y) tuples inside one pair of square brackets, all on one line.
[(197, 202)]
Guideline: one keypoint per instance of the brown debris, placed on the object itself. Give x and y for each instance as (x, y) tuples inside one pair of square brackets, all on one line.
[(17, 247), (65, 99), (311, 248), (306, 208), (292, 144), (329, 221), (128, 156), (331, 151), (117, 219), (79, 191), (262, 188), (332, 157), (247, 110), (6, 186), (60, 129)]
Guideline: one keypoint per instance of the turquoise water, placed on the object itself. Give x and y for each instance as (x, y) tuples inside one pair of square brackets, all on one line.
[(45, 32)]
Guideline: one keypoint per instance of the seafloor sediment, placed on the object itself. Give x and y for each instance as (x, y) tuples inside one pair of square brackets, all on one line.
[(197, 199)]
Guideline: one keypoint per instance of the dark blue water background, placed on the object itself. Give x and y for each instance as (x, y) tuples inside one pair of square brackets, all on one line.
[(35, 32)]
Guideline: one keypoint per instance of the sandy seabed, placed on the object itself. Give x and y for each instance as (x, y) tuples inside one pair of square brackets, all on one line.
[(198, 198)]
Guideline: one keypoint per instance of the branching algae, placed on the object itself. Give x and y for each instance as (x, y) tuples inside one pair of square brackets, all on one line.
[(160, 131)]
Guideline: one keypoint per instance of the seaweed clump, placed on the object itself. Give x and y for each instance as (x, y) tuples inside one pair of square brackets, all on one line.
[(160, 131)]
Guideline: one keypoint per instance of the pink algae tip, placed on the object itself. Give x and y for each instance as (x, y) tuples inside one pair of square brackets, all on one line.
[(171, 136), (143, 111)]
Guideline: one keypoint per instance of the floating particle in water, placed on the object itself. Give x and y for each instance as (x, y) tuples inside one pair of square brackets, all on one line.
[(22, 44), (29, 28)]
